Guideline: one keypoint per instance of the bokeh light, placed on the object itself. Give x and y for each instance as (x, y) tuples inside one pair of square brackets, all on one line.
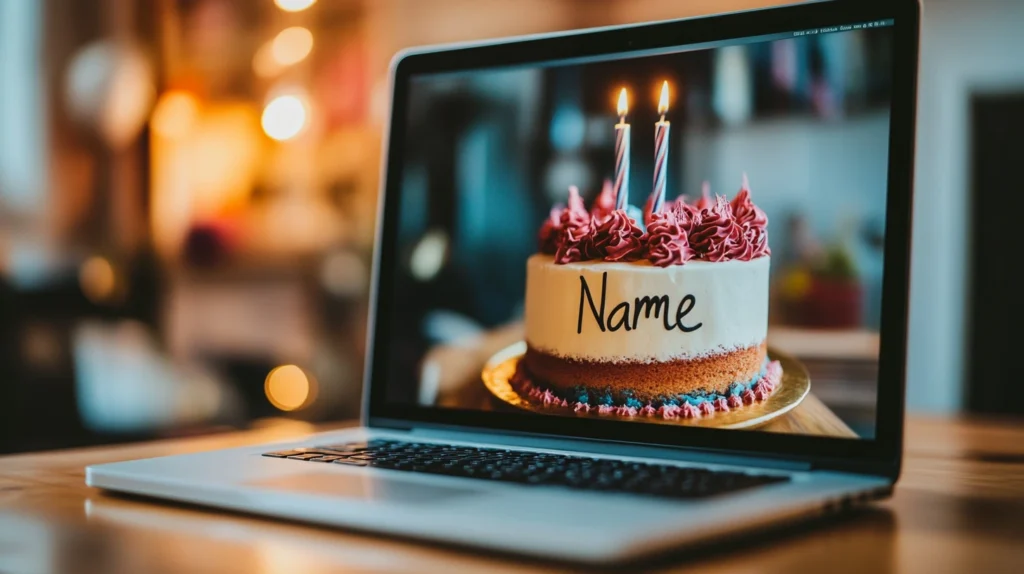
[(263, 63), (97, 279), (289, 388), (429, 255), (175, 114), (285, 117), (292, 45), (294, 5)]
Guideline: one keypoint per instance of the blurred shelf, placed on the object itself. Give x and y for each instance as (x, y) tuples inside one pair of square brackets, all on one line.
[(839, 344)]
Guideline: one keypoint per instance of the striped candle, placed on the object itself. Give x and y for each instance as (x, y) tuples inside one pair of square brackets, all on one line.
[(661, 152), (621, 183)]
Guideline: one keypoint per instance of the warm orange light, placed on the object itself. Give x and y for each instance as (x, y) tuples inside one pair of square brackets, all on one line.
[(294, 5), (264, 63), (292, 45), (623, 103), (285, 117), (663, 102), (97, 279), (288, 388), (175, 114)]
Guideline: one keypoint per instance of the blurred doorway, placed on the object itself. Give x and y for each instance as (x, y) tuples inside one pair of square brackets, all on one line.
[(997, 310)]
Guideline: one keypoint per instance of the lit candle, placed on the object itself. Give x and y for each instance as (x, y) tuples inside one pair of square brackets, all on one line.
[(621, 185), (660, 151)]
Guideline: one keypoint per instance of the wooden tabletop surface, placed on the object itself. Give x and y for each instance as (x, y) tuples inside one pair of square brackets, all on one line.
[(959, 507)]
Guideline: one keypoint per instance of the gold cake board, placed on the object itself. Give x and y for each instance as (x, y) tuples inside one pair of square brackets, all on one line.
[(795, 385)]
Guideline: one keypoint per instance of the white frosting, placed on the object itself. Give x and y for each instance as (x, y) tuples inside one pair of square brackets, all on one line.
[(730, 302)]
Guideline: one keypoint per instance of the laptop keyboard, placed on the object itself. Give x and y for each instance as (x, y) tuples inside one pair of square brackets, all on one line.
[(534, 468)]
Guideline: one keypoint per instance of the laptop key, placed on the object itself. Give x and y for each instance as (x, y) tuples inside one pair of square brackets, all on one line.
[(350, 462), (282, 453), (306, 456)]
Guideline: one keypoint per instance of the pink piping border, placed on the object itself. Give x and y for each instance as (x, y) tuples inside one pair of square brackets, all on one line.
[(759, 392)]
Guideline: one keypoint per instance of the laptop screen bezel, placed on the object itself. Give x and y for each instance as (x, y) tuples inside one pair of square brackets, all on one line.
[(881, 454)]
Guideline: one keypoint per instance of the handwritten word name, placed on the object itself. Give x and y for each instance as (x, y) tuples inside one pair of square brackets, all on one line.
[(622, 316)]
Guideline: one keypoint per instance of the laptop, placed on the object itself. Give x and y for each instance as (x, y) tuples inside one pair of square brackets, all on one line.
[(635, 288)]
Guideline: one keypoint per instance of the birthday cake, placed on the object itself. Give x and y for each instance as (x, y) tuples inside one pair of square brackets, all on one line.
[(660, 314)]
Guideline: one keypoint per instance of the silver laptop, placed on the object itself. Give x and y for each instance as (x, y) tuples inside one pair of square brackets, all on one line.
[(635, 288)]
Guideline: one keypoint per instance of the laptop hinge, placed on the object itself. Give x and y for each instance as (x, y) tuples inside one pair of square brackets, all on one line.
[(606, 447)]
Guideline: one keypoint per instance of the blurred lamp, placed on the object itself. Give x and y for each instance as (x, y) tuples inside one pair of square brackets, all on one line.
[(285, 117), (294, 5)]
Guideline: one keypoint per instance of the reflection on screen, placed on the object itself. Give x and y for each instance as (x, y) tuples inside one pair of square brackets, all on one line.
[(692, 237)]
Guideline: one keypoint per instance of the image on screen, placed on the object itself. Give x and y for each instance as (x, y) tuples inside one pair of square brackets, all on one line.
[(688, 237)]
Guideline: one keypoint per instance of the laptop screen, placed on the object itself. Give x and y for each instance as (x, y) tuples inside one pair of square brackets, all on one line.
[(691, 236)]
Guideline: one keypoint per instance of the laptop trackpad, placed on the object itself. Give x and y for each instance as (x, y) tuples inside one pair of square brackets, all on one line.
[(368, 488)]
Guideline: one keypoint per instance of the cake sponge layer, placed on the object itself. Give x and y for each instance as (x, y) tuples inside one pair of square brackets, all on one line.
[(646, 381)]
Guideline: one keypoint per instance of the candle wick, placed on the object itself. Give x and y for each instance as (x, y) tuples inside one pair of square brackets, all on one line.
[(662, 117)]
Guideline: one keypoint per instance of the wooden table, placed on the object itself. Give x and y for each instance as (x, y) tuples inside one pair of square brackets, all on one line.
[(959, 507)]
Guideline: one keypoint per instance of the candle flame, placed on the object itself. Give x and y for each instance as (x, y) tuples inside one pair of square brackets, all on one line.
[(663, 102), (623, 104)]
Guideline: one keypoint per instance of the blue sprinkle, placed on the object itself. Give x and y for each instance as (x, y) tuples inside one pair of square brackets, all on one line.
[(631, 402)]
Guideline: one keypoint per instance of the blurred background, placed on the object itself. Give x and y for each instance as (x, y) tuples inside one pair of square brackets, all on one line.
[(188, 187)]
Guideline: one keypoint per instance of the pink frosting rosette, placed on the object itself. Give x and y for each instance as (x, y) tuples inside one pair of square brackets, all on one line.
[(604, 205), (757, 239), (547, 237), (709, 229), (736, 244), (688, 411), (669, 412), (575, 235), (667, 241), (649, 209), (576, 212), (618, 238), (754, 223), (743, 209), (687, 214), (709, 236)]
